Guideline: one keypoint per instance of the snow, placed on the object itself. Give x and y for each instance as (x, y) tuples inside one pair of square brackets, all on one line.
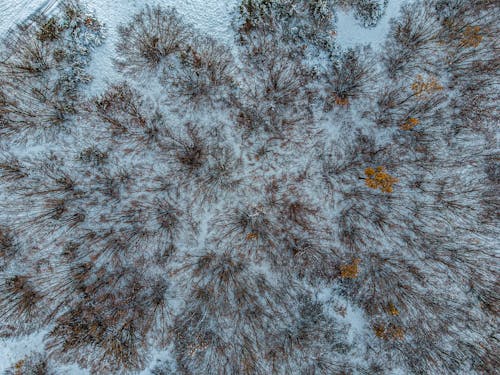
[(12, 12), (350, 32), (211, 16), (15, 349)]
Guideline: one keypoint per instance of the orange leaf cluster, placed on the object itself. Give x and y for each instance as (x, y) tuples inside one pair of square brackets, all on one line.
[(390, 332), (379, 179), (420, 86), (252, 236), (350, 271), (410, 123), (379, 330), (471, 37), (341, 101)]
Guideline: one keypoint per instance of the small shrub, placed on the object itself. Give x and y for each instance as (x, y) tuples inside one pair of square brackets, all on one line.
[(20, 298), (349, 78), (49, 30), (471, 36), (369, 11), (154, 35), (33, 364), (390, 332), (205, 73)]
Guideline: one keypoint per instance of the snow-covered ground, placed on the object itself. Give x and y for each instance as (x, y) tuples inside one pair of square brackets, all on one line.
[(14, 11), (212, 16), (14, 350), (350, 32)]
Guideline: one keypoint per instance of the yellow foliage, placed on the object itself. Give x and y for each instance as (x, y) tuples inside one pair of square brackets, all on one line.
[(379, 179), (392, 310), (420, 86), (350, 271), (379, 330), (471, 37), (370, 172), (410, 123)]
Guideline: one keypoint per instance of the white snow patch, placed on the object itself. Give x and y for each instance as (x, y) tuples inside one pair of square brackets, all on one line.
[(72, 370), (15, 11), (15, 349), (350, 32)]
